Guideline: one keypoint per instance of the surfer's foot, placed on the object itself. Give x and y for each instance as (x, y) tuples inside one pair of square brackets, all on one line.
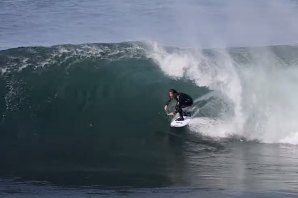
[(180, 119)]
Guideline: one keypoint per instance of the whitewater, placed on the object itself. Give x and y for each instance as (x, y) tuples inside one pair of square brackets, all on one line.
[(255, 85)]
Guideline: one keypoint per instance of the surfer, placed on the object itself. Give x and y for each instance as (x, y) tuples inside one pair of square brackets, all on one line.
[(183, 100)]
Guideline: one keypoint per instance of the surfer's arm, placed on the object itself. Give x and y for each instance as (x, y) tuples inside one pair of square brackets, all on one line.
[(167, 103), (171, 114), (166, 108)]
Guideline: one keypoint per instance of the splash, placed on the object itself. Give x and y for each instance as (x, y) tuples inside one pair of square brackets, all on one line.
[(255, 86)]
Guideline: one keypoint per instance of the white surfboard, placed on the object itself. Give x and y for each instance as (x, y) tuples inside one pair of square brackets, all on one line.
[(183, 123)]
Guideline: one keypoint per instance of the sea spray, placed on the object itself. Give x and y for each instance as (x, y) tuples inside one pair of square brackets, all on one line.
[(215, 70), (258, 84)]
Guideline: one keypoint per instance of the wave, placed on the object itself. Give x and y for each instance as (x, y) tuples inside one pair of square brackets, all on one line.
[(66, 93), (92, 108)]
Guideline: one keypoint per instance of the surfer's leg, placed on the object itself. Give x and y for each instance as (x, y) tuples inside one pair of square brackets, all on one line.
[(185, 109), (179, 110)]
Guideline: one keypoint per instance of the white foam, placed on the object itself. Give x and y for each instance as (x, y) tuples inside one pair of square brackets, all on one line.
[(261, 93), (3, 70), (215, 74), (292, 138)]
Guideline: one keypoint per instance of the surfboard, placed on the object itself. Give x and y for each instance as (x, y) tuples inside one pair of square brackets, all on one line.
[(183, 123), (175, 123)]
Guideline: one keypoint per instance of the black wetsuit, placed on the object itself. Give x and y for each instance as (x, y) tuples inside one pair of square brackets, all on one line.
[(183, 100)]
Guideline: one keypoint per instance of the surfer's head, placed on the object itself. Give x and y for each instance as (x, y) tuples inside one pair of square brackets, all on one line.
[(172, 93)]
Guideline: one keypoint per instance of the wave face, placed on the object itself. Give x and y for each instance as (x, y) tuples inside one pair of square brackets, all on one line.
[(70, 104), (93, 105)]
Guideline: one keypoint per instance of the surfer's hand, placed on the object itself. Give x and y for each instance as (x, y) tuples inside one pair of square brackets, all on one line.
[(166, 108), (171, 114)]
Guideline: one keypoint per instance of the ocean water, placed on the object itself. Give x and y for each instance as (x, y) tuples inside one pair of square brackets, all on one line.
[(82, 107)]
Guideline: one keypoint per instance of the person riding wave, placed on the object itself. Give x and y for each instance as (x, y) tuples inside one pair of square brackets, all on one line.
[(183, 100)]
